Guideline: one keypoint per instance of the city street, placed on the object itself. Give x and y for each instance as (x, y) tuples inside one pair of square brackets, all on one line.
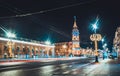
[(59, 38), (83, 67)]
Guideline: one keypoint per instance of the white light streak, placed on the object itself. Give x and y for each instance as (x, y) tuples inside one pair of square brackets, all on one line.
[(24, 42)]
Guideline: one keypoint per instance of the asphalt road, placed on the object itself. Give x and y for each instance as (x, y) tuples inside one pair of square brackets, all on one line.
[(84, 67), (61, 67)]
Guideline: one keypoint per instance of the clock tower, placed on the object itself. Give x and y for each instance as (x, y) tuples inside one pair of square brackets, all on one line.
[(75, 39)]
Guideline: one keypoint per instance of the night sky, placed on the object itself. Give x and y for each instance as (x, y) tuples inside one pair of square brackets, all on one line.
[(53, 19)]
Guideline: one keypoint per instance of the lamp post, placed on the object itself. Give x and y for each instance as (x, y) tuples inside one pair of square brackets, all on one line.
[(10, 43), (95, 37)]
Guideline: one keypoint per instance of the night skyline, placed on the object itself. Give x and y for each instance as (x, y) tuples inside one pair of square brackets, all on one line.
[(56, 23)]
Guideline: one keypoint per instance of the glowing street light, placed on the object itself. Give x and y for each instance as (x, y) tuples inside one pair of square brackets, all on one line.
[(47, 42), (8, 33), (102, 40), (11, 35), (94, 26), (105, 45)]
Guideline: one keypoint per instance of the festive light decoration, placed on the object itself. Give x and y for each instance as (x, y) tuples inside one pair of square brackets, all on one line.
[(10, 44), (95, 37), (25, 42)]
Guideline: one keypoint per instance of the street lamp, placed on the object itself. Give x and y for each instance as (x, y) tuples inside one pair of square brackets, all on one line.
[(102, 40), (11, 35), (8, 33), (95, 37), (94, 26), (104, 45), (9, 43)]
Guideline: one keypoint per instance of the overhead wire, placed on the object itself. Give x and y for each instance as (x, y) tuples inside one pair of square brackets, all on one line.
[(48, 10)]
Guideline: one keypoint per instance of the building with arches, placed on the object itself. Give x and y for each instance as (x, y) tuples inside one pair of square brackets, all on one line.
[(11, 48)]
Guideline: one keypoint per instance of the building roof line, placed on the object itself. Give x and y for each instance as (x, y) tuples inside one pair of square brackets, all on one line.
[(25, 42)]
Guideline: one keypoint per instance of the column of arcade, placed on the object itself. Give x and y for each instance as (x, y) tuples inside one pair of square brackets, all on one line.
[(25, 51)]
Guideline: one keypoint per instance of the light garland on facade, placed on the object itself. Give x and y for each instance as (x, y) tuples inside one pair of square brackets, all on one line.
[(24, 42), (95, 37)]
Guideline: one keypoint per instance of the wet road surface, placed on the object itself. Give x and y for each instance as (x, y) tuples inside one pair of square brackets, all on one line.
[(74, 68)]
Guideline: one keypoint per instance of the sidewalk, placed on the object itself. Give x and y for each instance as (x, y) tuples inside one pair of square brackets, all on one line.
[(107, 67)]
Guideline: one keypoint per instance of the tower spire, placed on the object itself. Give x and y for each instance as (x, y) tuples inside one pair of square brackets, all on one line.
[(75, 39), (75, 25)]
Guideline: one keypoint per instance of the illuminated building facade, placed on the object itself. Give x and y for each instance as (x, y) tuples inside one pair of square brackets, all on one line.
[(11, 48), (63, 49), (116, 42), (72, 48), (75, 39), (69, 48)]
